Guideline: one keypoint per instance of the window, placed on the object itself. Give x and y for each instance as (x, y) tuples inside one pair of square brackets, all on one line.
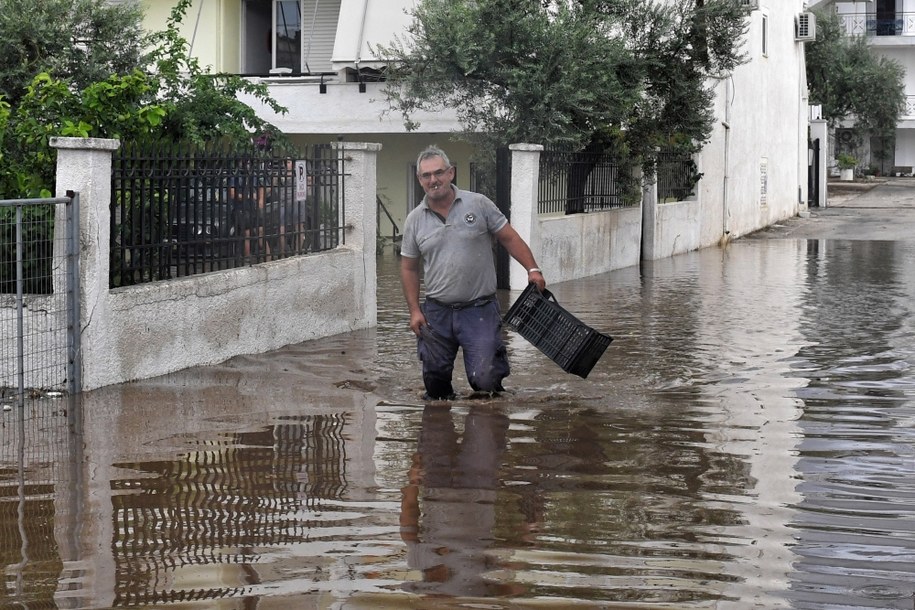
[(287, 21), (296, 35)]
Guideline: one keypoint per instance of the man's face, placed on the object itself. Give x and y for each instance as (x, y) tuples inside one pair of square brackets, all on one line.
[(435, 177)]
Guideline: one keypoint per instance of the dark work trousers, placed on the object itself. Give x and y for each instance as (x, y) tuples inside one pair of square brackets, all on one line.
[(477, 330)]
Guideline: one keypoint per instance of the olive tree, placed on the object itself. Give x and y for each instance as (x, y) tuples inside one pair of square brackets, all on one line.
[(620, 75), (162, 94), (80, 41), (853, 84)]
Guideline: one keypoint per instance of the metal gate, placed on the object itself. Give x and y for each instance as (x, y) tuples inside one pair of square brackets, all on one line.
[(503, 201), (39, 298), (813, 173)]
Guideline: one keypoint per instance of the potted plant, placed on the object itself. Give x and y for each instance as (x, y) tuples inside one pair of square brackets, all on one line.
[(847, 164)]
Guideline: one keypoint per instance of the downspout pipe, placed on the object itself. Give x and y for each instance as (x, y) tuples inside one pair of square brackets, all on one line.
[(365, 11), (726, 123)]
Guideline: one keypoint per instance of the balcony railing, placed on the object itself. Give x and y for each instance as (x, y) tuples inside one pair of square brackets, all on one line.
[(909, 112), (872, 24)]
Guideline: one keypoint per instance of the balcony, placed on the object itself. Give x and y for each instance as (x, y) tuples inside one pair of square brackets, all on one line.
[(909, 112), (879, 24)]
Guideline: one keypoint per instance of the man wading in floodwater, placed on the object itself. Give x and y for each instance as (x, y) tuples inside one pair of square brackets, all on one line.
[(451, 230)]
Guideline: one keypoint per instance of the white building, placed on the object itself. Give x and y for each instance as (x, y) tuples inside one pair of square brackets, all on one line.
[(316, 57), (889, 27), (755, 166)]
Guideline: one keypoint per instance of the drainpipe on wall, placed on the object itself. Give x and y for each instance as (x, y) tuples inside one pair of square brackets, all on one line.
[(361, 39), (190, 48), (726, 123)]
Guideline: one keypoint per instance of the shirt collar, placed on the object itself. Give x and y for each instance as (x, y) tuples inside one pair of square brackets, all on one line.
[(457, 197)]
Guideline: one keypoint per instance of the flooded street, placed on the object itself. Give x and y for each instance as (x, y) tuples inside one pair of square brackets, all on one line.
[(746, 441)]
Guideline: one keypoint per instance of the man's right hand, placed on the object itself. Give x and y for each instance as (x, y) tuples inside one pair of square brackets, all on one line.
[(417, 321)]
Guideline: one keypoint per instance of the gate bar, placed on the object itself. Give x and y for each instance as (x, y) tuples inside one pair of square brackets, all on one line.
[(20, 331), (74, 352)]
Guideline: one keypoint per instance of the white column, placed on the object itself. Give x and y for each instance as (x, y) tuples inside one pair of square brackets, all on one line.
[(908, 17), (525, 191), (84, 166), (650, 220), (819, 130), (361, 219)]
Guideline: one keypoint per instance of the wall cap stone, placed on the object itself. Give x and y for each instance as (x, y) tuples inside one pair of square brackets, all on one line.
[(84, 143)]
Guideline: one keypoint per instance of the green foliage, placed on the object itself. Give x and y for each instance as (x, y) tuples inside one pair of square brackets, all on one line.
[(174, 98), (37, 225), (75, 68), (846, 161), (202, 106), (624, 75), (851, 81), (78, 41)]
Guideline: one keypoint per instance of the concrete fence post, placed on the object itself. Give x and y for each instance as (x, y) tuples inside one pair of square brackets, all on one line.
[(84, 165), (819, 130), (525, 182), (360, 162), (650, 218)]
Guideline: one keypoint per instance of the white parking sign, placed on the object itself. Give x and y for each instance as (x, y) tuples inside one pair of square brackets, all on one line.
[(301, 181)]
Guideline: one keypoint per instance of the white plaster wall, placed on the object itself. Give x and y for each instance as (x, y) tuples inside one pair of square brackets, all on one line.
[(571, 246), (167, 326), (761, 118), (676, 228), (905, 147), (44, 342), (581, 245), (341, 110)]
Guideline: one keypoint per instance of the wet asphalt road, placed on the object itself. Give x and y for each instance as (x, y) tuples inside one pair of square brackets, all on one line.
[(879, 210)]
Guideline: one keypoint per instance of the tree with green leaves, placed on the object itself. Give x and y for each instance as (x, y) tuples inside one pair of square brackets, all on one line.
[(162, 94), (78, 41), (853, 83), (75, 68), (621, 75)]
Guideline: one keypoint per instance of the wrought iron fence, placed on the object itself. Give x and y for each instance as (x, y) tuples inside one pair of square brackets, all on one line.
[(573, 182), (178, 210), (39, 298), (677, 176)]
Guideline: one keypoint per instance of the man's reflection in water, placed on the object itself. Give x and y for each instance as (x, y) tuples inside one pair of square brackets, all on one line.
[(448, 508)]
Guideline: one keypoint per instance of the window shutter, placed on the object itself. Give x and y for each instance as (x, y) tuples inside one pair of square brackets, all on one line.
[(319, 30)]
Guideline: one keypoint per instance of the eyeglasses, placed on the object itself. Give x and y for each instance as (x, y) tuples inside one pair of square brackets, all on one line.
[(426, 176)]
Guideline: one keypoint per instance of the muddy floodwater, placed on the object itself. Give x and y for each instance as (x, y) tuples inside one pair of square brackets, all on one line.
[(746, 441)]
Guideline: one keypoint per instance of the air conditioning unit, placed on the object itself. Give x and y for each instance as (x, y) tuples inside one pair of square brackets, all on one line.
[(750, 5), (805, 27), (845, 138)]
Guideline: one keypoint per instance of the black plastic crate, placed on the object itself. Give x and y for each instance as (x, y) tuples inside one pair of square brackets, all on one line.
[(566, 340)]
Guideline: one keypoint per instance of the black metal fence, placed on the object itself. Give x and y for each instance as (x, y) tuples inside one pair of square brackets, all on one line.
[(178, 210), (573, 182), (677, 176)]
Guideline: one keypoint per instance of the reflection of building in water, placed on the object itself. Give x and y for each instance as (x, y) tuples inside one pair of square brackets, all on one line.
[(219, 505), (449, 506)]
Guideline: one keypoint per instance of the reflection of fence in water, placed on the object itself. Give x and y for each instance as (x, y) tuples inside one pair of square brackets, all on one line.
[(219, 504), (40, 479)]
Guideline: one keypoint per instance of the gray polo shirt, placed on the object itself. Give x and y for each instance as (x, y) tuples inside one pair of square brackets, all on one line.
[(458, 260)]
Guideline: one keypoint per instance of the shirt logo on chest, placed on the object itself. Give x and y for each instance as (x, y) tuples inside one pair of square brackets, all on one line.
[(470, 218)]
